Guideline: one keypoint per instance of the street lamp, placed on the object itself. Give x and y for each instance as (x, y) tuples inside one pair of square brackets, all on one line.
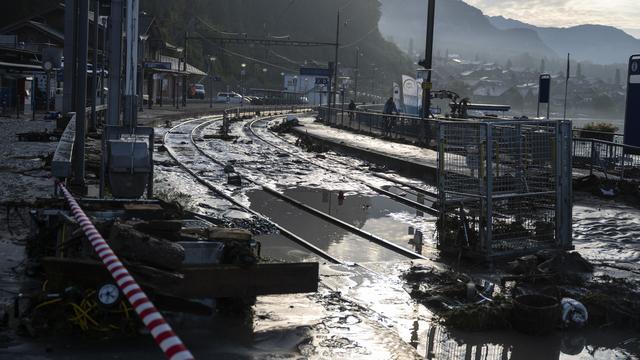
[(212, 69), (179, 50), (143, 38), (357, 74), (242, 73)]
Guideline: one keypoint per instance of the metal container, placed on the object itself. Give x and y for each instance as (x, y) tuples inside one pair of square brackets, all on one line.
[(129, 166)]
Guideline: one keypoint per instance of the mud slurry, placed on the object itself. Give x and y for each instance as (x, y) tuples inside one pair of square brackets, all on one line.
[(363, 311)]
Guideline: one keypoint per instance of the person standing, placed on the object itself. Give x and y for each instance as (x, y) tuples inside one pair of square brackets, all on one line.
[(389, 109)]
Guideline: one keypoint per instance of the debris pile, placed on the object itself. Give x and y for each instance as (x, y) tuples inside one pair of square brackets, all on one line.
[(628, 189), (286, 125), (566, 293), (168, 254)]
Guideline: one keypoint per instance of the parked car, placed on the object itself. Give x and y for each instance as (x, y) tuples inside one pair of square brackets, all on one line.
[(197, 91), (229, 98)]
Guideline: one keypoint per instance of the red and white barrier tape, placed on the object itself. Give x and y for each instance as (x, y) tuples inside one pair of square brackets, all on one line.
[(161, 331)]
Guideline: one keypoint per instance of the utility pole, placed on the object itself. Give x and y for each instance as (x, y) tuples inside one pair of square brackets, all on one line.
[(335, 62), (70, 36), (427, 63), (355, 95), (130, 110), (115, 62), (104, 62), (212, 74), (81, 91), (94, 75), (184, 65)]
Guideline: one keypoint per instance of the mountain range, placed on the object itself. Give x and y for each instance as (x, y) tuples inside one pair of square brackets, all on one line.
[(596, 43), (465, 29)]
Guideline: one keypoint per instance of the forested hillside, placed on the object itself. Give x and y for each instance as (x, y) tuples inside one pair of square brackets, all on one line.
[(294, 19)]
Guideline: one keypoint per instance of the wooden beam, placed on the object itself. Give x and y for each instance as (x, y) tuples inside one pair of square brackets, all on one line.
[(192, 283)]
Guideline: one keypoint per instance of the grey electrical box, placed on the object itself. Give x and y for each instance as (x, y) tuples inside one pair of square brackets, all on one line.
[(129, 168)]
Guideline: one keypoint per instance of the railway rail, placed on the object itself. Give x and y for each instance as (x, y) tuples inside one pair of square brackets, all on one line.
[(403, 186), (188, 128)]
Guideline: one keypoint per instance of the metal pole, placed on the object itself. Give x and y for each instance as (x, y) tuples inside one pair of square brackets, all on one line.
[(115, 62), (70, 18), (34, 88), (335, 66), (141, 96), (94, 75), (131, 65), (47, 108), (104, 63), (427, 63), (210, 85), (175, 91), (184, 65), (355, 94), (566, 86), (81, 92)]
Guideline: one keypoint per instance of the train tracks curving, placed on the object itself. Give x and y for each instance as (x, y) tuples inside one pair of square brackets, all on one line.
[(183, 135)]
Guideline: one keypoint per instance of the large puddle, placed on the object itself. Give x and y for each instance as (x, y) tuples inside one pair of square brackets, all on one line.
[(378, 215)]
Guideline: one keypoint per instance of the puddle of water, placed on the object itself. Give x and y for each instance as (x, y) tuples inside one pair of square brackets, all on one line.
[(280, 248), (586, 344), (328, 237), (375, 214)]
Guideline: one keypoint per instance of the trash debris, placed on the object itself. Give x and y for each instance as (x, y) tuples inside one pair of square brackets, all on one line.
[(574, 314)]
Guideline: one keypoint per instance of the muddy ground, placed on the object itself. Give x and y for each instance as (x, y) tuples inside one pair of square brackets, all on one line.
[(362, 310)]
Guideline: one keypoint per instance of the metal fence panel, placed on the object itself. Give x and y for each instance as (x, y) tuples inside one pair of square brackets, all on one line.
[(500, 184)]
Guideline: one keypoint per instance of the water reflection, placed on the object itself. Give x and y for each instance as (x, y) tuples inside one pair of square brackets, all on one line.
[(378, 215), (587, 344)]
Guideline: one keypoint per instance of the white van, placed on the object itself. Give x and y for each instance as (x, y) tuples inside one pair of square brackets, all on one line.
[(229, 98)]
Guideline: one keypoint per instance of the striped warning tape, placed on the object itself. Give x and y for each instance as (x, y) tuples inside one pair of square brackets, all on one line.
[(164, 336)]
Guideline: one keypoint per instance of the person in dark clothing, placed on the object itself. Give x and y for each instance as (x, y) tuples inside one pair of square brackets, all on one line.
[(352, 109), (389, 109)]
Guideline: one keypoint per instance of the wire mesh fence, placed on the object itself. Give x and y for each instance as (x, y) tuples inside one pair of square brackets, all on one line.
[(393, 126), (610, 158), (504, 187)]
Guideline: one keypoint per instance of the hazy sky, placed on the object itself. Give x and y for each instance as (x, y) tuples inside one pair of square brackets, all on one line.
[(619, 13)]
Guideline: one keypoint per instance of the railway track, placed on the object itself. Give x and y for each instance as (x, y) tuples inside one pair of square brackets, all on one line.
[(185, 132), (403, 186)]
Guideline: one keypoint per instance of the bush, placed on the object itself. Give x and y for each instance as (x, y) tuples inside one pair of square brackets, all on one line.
[(600, 131)]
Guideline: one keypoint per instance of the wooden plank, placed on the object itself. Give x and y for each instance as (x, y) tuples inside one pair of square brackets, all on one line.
[(203, 282), (236, 281)]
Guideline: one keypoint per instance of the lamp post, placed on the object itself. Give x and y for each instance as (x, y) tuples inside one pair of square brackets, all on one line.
[(143, 39), (184, 68), (212, 70), (243, 71), (179, 50), (357, 74)]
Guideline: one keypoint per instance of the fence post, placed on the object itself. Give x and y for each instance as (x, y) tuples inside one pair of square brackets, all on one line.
[(489, 187), (593, 157)]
